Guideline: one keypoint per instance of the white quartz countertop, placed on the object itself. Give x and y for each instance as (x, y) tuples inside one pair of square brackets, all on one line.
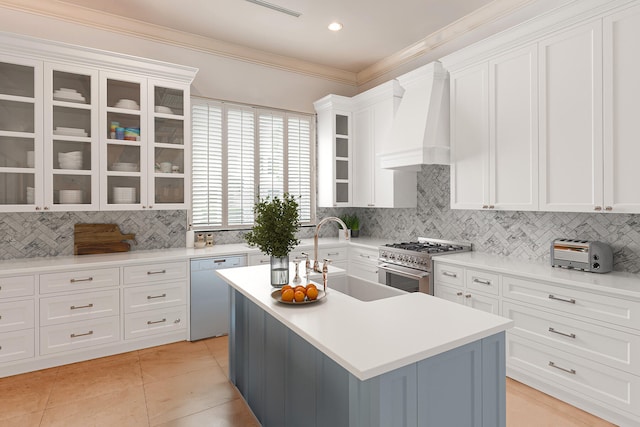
[(59, 263), (621, 284), (371, 338)]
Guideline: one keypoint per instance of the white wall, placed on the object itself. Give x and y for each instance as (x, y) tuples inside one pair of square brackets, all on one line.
[(219, 77)]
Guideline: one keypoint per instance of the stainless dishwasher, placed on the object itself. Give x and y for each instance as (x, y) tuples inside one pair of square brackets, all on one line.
[(210, 296)]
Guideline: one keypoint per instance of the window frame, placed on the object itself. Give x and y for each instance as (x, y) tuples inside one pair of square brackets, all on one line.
[(257, 110)]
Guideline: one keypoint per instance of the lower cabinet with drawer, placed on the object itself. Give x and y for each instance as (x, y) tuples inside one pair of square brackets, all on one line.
[(75, 335), (363, 263), (577, 343), (478, 289), (152, 322), (17, 318)]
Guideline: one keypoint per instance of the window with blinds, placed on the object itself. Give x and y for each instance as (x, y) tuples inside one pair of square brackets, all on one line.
[(242, 153)]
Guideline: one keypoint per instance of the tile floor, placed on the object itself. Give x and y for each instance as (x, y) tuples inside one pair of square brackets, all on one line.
[(185, 385)]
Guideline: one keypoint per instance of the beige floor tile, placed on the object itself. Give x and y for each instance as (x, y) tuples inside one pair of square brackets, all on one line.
[(187, 394), (26, 420), (87, 379), (175, 359), (125, 407), (231, 414), (21, 395)]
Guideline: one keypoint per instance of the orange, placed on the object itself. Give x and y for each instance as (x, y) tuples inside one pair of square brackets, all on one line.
[(301, 289), (299, 296), (312, 293), (285, 287), (287, 295), (311, 285)]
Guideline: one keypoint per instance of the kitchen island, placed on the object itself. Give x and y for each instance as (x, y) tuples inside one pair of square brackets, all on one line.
[(409, 360)]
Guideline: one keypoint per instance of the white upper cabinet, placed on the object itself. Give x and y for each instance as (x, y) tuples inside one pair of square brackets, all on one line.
[(494, 140), (621, 34), (82, 129), (557, 127), (470, 138), (571, 120), (21, 142), (374, 186), (351, 134)]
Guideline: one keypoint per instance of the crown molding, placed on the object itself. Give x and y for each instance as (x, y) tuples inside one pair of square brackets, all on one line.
[(127, 26), (487, 14)]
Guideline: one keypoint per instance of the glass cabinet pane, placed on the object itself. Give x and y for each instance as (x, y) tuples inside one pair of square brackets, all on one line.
[(123, 158), (16, 116), (71, 87), (168, 160), (342, 125), (71, 122), (71, 155), (342, 169), (16, 80), (121, 94), (169, 131), (123, 190), (342, 192), (123, 127), (168, 101), (16, 152), (17, 189), (342, 147), (71, 189), (169, 190)]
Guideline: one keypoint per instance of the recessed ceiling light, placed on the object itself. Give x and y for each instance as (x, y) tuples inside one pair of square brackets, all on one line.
[(335, 26)]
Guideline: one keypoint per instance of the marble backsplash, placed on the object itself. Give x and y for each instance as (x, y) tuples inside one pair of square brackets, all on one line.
[(524, 235), (28, 235)]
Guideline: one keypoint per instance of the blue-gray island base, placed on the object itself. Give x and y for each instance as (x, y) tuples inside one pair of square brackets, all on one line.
[(287, 382)]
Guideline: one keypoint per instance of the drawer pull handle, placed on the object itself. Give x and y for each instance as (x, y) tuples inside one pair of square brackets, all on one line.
[(156, 272), (570, 301), (150, 322), (562, 333), (459, 294), (220, 261), (365, 256), (449, 274), (482, 281), (569, 371), (264, 261), (81, 335), (467, 296), (156, 296), (77, 307), (88, 279), (333, 253)]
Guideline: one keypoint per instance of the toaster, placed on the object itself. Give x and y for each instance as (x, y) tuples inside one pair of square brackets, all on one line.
[(595, 257)]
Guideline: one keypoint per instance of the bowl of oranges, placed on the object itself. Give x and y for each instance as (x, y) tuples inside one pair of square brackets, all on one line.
[(298, 295)]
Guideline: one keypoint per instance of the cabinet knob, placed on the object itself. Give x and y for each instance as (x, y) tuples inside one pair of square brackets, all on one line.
[(492, 207), (46, 208), (37, 208), (608, 208), (467, 296), (371, 204), (459, 294), (144, 207), (485, 206), (150, 206), (597, 208)]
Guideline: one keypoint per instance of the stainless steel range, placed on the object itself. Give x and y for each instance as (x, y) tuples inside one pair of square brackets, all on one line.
[(408, 265)]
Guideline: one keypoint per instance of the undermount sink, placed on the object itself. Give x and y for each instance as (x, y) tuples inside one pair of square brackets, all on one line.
[(361, 289)]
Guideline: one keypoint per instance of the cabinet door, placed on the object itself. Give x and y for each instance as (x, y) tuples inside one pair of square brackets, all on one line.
[(363, 158), (169, 160), (621, 111), (513, 130), (71, 151), (571, 120), (20, 135), (123, 142), (343, 141), (469, 138), (449, 293)]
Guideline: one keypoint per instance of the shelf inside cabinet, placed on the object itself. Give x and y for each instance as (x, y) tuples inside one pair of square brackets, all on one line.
[(169, 101), (16, 188), (72, 88), (14, 152), (17, 116)]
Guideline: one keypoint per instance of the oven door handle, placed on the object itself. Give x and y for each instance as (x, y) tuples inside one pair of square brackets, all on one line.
[(416, 276)]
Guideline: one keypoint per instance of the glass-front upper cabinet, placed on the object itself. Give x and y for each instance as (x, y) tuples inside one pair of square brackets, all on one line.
[(342, 151), (71, 141), (168, 132), (123, 132), (20, 135)]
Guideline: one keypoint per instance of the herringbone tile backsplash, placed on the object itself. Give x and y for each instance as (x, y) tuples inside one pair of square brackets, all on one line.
[(27, 235), (525, 235)]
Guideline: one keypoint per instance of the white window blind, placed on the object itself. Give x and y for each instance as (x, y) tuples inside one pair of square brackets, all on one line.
[(240, 154)]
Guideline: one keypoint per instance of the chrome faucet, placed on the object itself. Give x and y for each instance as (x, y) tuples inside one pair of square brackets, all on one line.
[(316, 265)]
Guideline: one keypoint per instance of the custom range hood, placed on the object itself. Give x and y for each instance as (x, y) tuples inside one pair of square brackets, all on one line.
[(420, 130)]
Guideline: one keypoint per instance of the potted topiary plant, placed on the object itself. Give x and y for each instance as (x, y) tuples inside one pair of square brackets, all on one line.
[(353, 223), (274, 233)]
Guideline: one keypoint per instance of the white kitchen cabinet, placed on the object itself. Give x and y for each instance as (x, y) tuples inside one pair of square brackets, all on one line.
[(335, 147), (363, 263), (571, 119), (494, 142), (621, 32), (374, 186), (71, 166), (21, 142), (77, 335), (56, 310), (58, 150), (474, 288)]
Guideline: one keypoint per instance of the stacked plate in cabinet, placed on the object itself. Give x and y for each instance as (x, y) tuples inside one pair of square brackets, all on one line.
[(70, 196), (127, 104), (70, 160), (68, 95), (63, 131), (124, 195)]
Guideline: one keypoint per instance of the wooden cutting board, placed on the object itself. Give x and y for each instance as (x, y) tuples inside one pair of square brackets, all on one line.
[(100, 239)]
